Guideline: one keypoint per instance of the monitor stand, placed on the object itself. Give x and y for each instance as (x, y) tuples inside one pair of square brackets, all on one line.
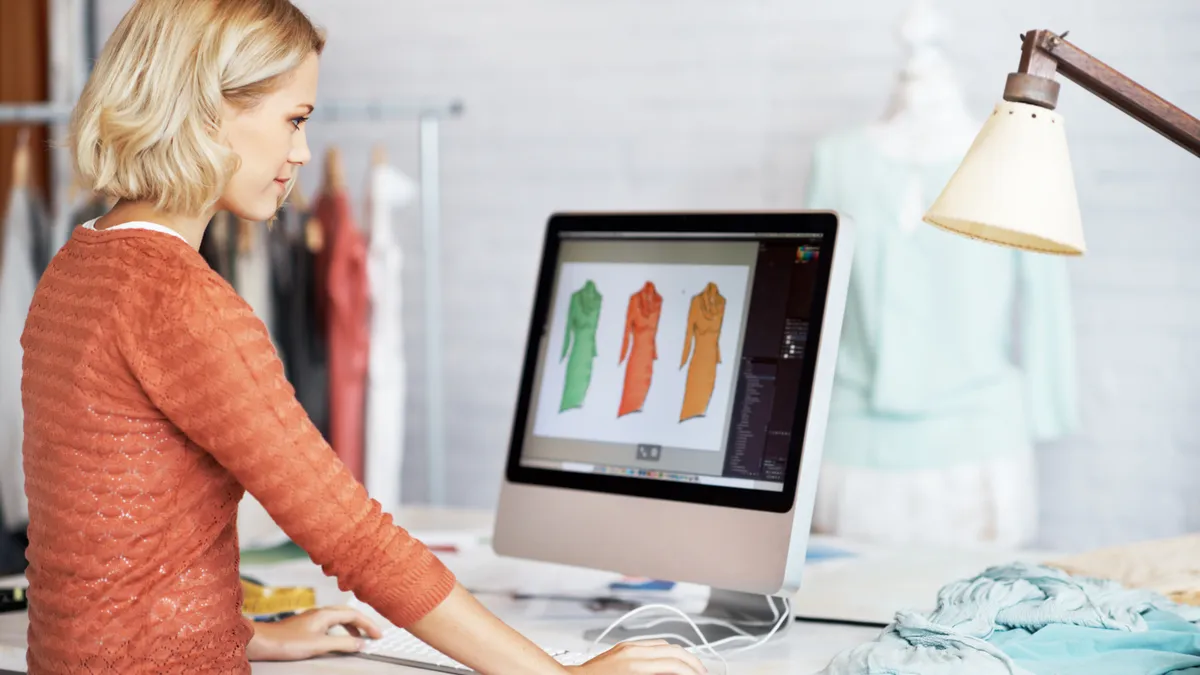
[(749, 614)]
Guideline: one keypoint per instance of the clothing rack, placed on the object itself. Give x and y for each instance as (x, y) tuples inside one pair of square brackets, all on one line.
[(429, 115)]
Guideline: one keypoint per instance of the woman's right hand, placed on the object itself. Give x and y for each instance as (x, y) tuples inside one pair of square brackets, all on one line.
[(648, 657)]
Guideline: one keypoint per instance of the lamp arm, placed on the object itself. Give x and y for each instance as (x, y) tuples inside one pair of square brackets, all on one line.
[(1045, 53)]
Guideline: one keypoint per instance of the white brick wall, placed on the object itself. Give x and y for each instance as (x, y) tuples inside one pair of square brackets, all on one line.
[(715, 104)]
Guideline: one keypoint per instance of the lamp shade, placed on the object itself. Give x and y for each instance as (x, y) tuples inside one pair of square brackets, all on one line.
[(1015, 187)]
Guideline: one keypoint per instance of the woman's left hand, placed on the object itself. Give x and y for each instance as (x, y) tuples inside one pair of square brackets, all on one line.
[(306, 635)]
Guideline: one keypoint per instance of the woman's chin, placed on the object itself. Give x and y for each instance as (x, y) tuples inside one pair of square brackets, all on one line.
[(256, 212)]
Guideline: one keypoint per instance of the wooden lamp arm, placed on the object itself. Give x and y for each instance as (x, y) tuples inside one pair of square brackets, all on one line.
[(1045, 53)]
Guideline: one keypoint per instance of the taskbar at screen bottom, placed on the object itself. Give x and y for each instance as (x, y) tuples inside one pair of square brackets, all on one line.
[(653, 474)]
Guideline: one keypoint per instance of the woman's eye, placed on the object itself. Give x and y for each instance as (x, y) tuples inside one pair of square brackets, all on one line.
[(297, 121)]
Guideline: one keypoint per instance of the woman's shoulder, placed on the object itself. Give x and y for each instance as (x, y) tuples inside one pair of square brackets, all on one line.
[(157, 272), (141, 252)]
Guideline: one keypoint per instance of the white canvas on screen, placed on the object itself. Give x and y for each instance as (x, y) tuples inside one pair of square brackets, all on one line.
[(658, 421)]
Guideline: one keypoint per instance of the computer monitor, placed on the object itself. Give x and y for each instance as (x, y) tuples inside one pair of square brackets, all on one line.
[(674, 396)]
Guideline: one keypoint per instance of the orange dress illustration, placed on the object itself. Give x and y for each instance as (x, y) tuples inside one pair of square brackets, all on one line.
[(704, 329), (641, 324)]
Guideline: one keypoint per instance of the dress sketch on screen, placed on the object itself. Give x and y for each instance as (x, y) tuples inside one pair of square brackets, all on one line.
[(641, 323), (580, 341), (705, 317)]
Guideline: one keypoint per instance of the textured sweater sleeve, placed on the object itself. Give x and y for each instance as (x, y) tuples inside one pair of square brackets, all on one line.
[(206, 362)]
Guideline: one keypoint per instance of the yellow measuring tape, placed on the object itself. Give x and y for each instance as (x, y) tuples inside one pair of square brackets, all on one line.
[(259, 600)]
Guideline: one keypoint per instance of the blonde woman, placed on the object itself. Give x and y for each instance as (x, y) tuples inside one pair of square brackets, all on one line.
[(153, 398)]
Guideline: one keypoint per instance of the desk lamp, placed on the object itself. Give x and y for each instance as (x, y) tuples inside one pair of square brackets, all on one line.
[(1015, 186)]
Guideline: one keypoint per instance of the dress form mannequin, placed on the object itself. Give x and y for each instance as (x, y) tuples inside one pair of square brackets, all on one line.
[(926, 119), (933, 418)]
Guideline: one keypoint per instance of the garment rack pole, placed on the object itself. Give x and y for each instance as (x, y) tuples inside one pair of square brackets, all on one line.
[(34, 113), (431, 237), (429, 116)]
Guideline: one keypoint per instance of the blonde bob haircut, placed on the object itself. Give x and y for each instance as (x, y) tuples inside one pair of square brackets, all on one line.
[(145, 126)]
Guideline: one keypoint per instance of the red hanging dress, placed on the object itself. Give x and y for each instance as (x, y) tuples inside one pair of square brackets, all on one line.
[(346, 310)]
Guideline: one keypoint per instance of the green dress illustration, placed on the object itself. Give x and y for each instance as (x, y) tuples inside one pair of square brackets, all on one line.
[(582, 319)]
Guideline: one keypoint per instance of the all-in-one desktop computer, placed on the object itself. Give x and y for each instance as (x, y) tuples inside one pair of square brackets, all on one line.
[(672, 406)]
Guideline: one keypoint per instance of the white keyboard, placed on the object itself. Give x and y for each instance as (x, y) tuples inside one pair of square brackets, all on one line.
[(403, 648)]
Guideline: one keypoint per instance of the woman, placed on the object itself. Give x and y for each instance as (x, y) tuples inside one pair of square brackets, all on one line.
[(153, 397)]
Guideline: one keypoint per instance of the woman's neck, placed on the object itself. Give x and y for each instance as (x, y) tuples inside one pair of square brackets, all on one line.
[(190, 228)]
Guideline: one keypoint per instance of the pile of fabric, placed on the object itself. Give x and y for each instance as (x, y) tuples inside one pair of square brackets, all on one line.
[(1025, 619)]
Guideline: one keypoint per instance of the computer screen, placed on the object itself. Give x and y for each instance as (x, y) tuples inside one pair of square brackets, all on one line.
[(674, 364)]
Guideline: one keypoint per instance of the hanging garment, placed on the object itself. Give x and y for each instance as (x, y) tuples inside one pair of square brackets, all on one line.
[(580, 340), (299, 333), (705, 316), (386, 401), (641, 327), (252, 270), (926, 376), (347, 306), (41, 233), (219, 246), (18, 279), (12, 553)]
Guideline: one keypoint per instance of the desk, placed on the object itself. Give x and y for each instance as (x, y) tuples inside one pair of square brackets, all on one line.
[(871, 586)]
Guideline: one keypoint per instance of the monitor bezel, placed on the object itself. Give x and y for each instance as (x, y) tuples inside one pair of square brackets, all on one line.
[(699, 226)]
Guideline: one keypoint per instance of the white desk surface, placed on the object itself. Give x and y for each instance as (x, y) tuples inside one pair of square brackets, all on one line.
[(869, 587)]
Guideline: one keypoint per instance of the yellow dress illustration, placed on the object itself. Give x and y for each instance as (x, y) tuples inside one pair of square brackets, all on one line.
[(705, 317)]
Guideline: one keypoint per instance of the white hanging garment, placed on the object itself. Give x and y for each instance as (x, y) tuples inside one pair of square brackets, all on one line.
[(252, 272), (389, 190), (71, 47), (18, 278)]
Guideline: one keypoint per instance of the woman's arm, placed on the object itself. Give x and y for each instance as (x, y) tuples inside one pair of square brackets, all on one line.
[(466, 631), (470, 634), (207, 363)]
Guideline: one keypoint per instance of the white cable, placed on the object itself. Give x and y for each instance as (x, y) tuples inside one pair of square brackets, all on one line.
[(787, 615), (710, 647), (700, 621), (712, 621)]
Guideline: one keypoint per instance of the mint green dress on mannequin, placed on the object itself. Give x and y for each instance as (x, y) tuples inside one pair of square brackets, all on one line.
[(582, 320), (956, 357)]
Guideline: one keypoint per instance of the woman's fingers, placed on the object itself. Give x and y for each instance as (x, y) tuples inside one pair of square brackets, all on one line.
[(327, 644), (356, 623), (658, 657)]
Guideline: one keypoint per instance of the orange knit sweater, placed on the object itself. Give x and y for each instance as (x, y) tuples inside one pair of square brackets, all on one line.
[(152, 397)]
